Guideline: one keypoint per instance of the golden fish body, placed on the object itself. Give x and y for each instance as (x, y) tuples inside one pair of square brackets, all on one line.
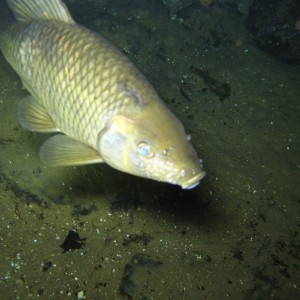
[(85, 88)]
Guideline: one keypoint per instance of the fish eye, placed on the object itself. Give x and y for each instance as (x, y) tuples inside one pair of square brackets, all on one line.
[(145, 150)]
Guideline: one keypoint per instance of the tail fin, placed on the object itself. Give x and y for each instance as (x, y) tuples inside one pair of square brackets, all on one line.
[(30, 10)]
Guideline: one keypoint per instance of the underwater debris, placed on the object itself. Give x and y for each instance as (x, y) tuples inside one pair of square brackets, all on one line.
[(176, 5), (143, 238), (79, 210), (138, 261), (221, 89), (4, 142), (206, 3), (273, 25), (22, 194), (73, 241), (46, 265)]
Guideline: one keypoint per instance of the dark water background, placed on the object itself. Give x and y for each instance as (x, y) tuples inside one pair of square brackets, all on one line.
[(235, 236)]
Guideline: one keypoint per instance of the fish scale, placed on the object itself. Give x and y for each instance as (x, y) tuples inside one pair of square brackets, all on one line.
[(86, 100)]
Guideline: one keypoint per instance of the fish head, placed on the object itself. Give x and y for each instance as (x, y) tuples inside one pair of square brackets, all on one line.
[(151, 144)]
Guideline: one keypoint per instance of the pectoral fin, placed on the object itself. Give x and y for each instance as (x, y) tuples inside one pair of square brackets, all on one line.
[(61, 150), (32, 116)]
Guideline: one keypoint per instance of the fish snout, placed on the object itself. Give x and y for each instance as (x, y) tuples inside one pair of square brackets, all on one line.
[(192, 181)]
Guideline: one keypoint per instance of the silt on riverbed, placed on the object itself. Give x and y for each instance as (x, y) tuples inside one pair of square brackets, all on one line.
[(93, 232)]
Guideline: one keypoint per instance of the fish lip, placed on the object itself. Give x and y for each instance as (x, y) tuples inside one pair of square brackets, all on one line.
[(193, 182)]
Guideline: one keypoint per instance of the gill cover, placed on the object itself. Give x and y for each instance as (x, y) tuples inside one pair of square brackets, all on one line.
[(112, 142)]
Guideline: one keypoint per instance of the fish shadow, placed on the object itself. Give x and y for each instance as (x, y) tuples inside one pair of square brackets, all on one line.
[(124, 192)]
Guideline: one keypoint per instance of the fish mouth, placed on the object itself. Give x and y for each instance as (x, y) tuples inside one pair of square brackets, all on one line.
[(193, 182)]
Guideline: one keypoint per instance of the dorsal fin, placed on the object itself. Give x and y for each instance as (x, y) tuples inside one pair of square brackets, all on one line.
[(34, 10)]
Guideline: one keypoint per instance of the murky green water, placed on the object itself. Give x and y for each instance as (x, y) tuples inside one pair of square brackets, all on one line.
[(235, 236)]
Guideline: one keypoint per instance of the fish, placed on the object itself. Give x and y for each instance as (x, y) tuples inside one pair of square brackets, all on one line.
[(87, 92)]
